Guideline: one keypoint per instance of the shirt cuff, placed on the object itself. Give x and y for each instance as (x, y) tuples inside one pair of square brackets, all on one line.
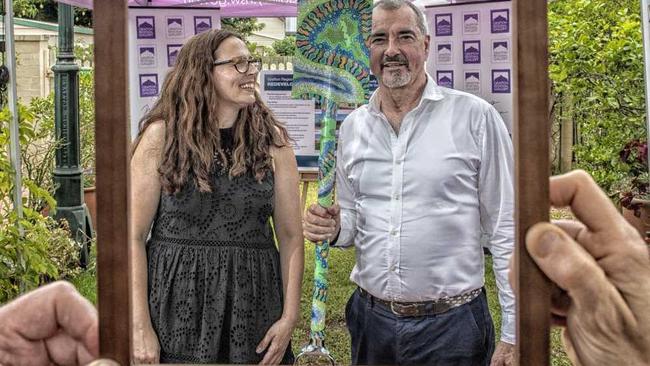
[(345, 237), (336, 238), (508, 328)]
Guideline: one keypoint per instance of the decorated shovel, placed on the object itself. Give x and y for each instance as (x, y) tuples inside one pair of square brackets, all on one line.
[(331, 65)]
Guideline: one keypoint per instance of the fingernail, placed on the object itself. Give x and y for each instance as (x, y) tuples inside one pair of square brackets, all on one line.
[(545, 244)]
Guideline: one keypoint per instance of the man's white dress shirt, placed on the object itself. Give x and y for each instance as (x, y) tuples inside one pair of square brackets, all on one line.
[(416, 204)]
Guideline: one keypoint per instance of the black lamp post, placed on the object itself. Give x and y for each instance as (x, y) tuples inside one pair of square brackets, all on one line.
[(67, 173)]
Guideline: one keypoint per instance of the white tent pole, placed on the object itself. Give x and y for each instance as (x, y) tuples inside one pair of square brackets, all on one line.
[(14, 139), (645, 20), (14, 145)]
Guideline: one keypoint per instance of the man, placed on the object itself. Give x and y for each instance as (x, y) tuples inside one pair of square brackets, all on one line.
[(423, 172)]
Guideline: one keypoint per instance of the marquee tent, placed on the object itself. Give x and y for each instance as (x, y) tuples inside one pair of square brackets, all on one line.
[(240, 8), (228, 8)]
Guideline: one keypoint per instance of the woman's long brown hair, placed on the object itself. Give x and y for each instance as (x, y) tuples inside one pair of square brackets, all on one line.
[(188, 107)]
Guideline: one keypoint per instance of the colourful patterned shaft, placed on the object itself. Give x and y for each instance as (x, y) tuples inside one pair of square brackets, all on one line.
[(326, 178), (331, 65)]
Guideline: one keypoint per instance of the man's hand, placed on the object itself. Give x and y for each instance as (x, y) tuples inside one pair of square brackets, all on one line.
[(601, 269), (504, 355), (320, 223), (50, 325)]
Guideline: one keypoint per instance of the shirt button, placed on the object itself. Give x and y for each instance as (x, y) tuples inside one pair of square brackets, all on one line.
[(393, 232), (393, 268), (396, 197)]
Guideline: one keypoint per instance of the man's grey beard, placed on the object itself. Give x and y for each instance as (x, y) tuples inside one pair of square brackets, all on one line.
[(397, 78)]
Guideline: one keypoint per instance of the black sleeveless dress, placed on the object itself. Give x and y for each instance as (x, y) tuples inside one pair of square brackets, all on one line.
[(214, 277)]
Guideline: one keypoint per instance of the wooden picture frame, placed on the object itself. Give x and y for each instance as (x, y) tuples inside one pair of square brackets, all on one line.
[(531, 141), (112, 155), (532, 167)]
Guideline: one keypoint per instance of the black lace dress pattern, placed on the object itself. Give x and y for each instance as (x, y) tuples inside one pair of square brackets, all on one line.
[(214, 277)]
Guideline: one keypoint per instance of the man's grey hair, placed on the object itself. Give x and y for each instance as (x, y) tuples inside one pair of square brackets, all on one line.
[(396, 4)]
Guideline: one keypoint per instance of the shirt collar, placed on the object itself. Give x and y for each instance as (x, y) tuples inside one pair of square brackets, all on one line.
[(431, 92)]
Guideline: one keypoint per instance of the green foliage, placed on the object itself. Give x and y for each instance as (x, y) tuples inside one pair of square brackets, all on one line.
[(87, 125), (47, 11), (285, 47), (84, 54), (596, 57), (33, 249), (242, 26), (86, 281), (44, 250), (38, 148), (39, 162), (27, 8), (245, 27)]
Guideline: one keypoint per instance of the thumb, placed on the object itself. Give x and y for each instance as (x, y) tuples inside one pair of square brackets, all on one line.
[(567, 263), (264, 343)]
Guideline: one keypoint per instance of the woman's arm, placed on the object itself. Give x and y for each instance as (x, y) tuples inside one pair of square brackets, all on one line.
[(288, 229), (145, 195)]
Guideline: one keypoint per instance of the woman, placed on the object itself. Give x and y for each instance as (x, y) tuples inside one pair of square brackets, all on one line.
[(210, 166)]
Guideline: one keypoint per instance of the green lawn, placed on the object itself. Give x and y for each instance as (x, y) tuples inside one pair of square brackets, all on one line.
[(341, 263)]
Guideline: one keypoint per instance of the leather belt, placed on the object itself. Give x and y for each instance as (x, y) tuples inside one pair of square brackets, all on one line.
[(439, 306)]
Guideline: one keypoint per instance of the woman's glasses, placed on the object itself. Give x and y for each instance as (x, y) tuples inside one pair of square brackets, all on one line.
[(242, 64)]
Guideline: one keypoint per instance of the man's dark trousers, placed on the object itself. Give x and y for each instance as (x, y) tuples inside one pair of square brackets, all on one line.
[(463, 335)]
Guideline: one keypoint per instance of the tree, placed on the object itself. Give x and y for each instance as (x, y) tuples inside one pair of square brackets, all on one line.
[(47, 11), (285, 47), (242, 26), (596, 56), (26, 8)]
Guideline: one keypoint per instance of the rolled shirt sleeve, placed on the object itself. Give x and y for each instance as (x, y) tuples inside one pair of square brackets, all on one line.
[(496, 196), (345, 196)]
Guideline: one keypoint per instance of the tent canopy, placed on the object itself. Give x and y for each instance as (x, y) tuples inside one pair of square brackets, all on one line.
[(228, 8), (244, 8)]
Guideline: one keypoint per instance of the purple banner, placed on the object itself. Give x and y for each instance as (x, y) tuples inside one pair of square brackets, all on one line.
[(227, 8)]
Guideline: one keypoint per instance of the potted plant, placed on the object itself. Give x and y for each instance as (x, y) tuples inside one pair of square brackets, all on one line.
[(633, 191)]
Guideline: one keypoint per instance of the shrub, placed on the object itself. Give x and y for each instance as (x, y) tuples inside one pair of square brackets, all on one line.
[(596, 57), (33, 249)]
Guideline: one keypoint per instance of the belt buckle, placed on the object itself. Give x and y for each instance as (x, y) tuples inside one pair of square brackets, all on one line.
[(401, 309)]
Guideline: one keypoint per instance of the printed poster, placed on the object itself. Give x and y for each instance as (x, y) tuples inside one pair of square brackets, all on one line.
[(472, 51), (156, 36)]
